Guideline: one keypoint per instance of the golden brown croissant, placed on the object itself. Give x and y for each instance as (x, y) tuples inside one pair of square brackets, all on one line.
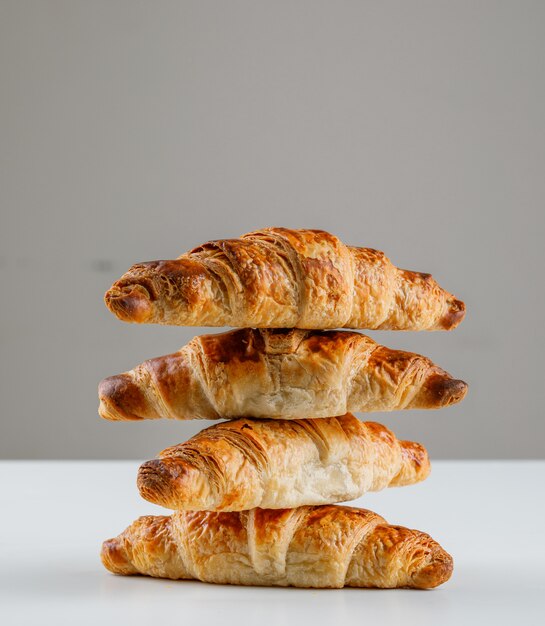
[(323, 546), (277, 374), (282, 278), (277, 464)]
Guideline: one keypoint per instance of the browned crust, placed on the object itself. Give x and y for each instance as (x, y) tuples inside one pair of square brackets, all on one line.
[(260, 373), (345, 546), (278, 277), (242, 464), (454, 315), (122, 398), (440, 390)]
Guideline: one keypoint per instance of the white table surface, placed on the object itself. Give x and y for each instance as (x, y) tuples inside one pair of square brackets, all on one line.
[(488, 515)]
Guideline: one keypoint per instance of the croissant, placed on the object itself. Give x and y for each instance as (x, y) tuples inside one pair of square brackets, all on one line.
[(282, 278), (242, 464), (277, 374), (322, 546)]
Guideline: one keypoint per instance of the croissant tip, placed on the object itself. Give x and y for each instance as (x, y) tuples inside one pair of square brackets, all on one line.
[(435, 573), (438, 391), (154, 482), (455, 314), (114, 557), (417, 456), (451, 391), (120, 399), (130, 303)]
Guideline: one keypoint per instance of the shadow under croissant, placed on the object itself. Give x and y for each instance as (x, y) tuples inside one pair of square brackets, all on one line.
[(270, 588)]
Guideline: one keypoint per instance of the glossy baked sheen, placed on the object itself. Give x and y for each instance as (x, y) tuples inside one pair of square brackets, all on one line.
[(282, 278), (323, 546), (277, 464), (283, 374)]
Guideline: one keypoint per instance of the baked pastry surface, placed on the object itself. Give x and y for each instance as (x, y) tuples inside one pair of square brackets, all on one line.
[(282, 374), (323, 546), (243, 464), (283, 278)]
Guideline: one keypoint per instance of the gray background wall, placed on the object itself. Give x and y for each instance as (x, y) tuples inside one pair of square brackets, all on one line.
[(134, 130)]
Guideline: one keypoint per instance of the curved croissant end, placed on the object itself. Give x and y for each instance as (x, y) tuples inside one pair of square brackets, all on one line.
[(163, 482), (415, 466), (122, 398), (115, 558), (161, 292), (456, 310), (148, 539), (438, 391), (130, 303), (436, 572)]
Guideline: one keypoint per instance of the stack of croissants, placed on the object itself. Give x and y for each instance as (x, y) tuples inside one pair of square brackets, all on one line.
[(254, 497)]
